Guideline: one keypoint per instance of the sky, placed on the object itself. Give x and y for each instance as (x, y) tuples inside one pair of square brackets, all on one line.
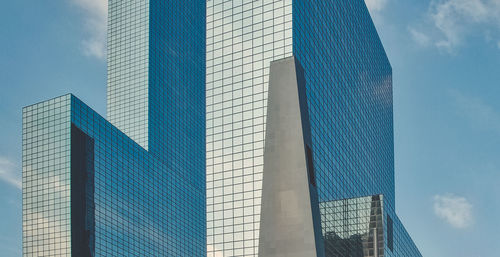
[(445, 56)]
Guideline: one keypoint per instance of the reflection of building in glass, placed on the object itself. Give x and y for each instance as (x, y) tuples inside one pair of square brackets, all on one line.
[(353, 227), (134, 186), (348, 80), (362, 227)]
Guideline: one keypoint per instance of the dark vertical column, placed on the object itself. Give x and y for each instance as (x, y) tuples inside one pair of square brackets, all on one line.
[(290, 219), (82, 194), (390, 233)]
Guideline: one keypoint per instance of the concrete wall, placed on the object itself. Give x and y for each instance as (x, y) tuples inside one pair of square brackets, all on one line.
[(290, 220)]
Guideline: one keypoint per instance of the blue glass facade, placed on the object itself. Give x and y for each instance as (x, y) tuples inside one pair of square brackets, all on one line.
[(177, 85), (364, 227), (156, 81), (349, 90), (140, 206), (133, 185), (136, 185)]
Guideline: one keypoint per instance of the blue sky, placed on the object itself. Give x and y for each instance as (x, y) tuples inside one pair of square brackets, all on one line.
[(445, 56)]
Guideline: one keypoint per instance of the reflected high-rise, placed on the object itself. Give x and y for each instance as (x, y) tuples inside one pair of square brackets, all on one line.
[(133, 185), (349, 94)]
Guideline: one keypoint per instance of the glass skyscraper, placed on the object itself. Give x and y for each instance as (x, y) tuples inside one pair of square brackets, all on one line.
[(133, 185), (349, 94)]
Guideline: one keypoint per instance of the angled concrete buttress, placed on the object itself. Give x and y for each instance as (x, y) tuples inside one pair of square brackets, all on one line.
[(290, 223)]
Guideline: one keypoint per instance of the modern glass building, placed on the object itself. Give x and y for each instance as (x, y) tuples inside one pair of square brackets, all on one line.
[(349, 94), (133, 185), (364, 227)]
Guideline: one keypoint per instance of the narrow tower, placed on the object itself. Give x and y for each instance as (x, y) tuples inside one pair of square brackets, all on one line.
[(290, 222)]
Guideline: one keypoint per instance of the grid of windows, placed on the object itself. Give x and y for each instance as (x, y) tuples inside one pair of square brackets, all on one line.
[(402, 244), (141, 206), (144, 190), (46, 179), (156, 77), (353, 227), (364, 227), (128, 63), (177, 85), (349, 90), (243, 37)]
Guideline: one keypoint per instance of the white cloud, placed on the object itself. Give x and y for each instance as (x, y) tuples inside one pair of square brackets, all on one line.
[(96, 14), (419, 37), (7, 173), (375, 5), (455, 210), (452, 21)]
